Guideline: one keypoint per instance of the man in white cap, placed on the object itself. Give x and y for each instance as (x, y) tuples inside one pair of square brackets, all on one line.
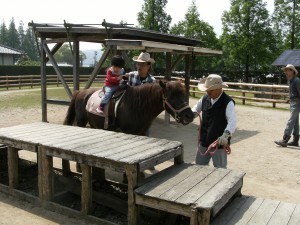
[(218, 120), (292, 125), (142, 75)]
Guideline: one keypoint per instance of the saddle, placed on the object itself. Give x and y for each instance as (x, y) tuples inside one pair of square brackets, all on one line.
[(110, 110)]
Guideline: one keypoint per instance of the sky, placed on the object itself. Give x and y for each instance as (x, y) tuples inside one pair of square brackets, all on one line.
[(113, 11)]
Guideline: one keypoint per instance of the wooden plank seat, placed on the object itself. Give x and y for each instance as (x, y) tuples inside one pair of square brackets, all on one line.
[(253, 210), (194, 191)]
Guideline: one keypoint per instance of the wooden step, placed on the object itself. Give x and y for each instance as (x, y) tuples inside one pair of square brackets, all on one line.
[(195, 191)]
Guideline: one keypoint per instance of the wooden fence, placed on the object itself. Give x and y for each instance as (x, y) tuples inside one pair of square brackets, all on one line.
[(252, 92), (244, 91)]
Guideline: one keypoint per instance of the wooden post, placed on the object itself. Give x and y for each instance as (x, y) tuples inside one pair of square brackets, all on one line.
[(13, 174), (244, 100), (168, 77), (86, 189), (132, 174), (76, 62), (188, 62), (43, 80), (40, 173), (179, 159), (204, 217), (47, 176), (194, 217)]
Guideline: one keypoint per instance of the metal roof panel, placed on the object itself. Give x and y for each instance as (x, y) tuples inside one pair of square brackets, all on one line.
[(291, 56)]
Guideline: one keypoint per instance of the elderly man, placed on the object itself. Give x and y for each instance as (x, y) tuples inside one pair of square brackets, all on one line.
[(218, 120), (292, 125)]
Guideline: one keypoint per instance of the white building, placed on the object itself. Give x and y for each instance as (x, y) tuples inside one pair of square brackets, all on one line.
[(8, 55)]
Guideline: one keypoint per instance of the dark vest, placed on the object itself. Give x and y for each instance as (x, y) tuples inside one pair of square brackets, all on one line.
[(214, 119)]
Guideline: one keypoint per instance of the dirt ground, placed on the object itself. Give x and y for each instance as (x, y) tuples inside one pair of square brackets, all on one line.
[(271, 171)]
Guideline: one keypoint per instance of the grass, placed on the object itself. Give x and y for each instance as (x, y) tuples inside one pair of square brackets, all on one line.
[(28, 98)]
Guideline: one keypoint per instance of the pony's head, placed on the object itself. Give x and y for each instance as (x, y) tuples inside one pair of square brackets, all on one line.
[(175, 104)]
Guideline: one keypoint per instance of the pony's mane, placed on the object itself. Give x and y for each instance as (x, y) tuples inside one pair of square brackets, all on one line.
[(152, 94), (149, 93)]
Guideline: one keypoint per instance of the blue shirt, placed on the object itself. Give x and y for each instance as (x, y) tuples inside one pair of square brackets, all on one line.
[(135, 80), (294, 88)]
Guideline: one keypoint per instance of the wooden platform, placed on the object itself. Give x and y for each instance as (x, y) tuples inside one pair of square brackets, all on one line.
[(89, 147), (248, 210), (195, 191)]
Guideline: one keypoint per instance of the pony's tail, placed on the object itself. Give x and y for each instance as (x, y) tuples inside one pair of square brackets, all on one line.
[(70, 117)]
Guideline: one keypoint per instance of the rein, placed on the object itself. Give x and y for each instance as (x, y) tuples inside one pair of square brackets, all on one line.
[(175, 111), (213, 147)]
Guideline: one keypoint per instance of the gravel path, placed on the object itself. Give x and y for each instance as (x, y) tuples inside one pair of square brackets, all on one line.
[(271, 171)]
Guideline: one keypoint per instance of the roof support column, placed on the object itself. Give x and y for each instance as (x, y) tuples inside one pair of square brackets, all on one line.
[(76, 64), (43, 81), (188, 63)]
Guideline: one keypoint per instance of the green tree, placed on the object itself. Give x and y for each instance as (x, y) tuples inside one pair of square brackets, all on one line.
[(26, 61), (153, 16), (3, 34), (248, 40), (29, 45), (286, 19), (21, 34), (193, 27), (64, 55), (13, 36)]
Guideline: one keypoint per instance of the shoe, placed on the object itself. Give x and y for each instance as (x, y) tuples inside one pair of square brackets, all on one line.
[(100, 110), (284, 141), (295, 141)]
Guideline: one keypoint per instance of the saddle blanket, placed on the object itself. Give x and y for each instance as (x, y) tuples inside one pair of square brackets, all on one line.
[(94, 102)]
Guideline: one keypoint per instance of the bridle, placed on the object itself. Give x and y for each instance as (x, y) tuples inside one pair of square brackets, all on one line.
[(176, 112)]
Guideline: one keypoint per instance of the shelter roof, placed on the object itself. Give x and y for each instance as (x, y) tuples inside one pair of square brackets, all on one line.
[(99, 32), (8, 50), (151, 46), (291, 56)]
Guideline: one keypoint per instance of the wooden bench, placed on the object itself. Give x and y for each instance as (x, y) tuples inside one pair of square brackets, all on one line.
[(194, 191), (252, 210)]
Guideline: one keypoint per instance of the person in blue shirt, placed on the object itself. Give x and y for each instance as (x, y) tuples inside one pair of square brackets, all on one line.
[(292, 125), (142, 74)]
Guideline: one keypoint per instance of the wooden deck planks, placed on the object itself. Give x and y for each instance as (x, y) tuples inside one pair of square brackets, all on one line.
[(265, 212), (295, 218), (164, 182), (222, 192), (282, 214), (202, 187), (249, 210), (187, 183)]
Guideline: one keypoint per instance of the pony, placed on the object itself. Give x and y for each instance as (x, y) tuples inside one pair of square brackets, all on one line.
[(137, 108)]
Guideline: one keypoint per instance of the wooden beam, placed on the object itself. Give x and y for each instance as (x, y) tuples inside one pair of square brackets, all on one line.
[(58, 71), (98, 67)]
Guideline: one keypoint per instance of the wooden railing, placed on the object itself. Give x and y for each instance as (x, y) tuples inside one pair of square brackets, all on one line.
[(251, 92), (244, 91), (20, 81)]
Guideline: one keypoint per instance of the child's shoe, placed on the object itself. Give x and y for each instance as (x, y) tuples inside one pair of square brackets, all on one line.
[(100, 109)]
